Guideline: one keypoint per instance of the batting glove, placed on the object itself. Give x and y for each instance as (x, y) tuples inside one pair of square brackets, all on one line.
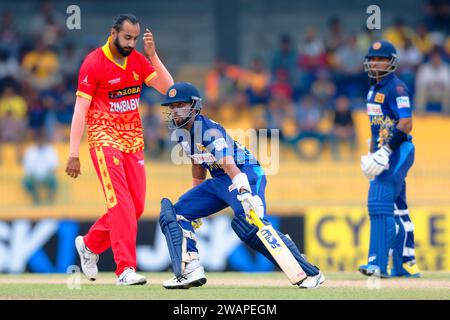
[(364, 161), (249, 203), (197, 223), (378, 162)]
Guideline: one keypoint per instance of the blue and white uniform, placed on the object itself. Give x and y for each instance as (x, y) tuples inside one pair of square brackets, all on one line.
[(218, 192), (206, 143), (388, 101)]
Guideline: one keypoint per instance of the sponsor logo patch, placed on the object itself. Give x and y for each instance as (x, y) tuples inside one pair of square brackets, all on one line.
[(114, 81), (200, 158), (129, 91), (403, 102), (374, 109), (220, 144)]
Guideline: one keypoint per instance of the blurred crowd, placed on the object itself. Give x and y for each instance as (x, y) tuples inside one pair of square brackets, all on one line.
[(308, 88)]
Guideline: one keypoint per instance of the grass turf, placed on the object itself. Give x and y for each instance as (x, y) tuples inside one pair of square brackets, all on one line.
[(228, 286)]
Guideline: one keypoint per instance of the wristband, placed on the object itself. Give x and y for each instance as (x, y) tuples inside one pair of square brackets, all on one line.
[(398, 137)]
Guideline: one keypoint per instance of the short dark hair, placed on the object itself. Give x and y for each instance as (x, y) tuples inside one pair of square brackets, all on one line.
[(121, 18)]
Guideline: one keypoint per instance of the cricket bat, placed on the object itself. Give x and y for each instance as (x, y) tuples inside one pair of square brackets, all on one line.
[(278, 249)]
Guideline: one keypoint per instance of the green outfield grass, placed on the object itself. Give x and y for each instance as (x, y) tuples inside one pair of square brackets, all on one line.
[(226, 286)]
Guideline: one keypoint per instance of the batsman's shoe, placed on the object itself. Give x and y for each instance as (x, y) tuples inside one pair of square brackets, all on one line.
[(129, 277), (409, 270), (312, 282), (190, 278), (372, 270), (88, 259)]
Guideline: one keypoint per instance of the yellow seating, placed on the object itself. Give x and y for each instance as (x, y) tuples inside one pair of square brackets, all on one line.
[(296, 185)]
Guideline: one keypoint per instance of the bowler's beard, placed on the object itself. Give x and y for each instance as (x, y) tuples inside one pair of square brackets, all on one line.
[(121, 49)]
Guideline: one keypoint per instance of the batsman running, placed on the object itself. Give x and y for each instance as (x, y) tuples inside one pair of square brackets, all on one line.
[(390, 157), (237, 181)]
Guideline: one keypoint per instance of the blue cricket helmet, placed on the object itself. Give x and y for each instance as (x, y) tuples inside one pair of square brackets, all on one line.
[(380, 69), (182, 92)]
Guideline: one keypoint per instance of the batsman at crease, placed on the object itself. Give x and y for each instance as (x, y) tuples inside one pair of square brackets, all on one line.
[(237, 181)]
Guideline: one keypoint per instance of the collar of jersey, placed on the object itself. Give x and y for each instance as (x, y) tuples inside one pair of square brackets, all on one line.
[(385, 80), (197, 117), (109, 55)]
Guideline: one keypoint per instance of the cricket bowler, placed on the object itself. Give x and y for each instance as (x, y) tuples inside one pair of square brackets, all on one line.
[(237, 181), (109, 88), (386, 165)]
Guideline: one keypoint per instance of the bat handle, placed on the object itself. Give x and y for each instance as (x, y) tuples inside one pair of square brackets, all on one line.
[(256, 220)]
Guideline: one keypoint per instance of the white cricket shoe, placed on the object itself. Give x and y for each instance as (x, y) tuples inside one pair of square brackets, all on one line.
[(88, 259), (190, 278), (129, 277), (312, 282)]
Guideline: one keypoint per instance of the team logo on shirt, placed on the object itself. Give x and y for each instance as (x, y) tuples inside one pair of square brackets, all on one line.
[(379, 97), (403, 102), (135, 76), (201, 147), (124, 105), (385, 131)]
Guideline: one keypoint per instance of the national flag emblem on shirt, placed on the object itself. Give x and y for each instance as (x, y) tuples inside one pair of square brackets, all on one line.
[(379, 97), (403, 102)]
